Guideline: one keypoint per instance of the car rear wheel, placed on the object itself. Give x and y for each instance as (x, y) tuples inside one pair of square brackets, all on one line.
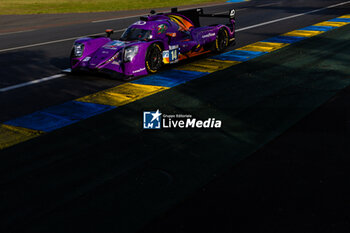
[(154, 58), (222, 41)]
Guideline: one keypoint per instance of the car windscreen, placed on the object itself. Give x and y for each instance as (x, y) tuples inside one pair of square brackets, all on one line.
[(136, 34)]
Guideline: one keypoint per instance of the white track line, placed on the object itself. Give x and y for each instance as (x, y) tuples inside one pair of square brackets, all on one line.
[(126, 17), (134, 16), (241, 29), (61, 75), (292, 16), (238, 30), (52, 42), (8, 33), (31, 82)]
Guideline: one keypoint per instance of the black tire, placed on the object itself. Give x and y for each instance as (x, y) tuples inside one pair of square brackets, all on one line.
[(154, 58), (222, 41)]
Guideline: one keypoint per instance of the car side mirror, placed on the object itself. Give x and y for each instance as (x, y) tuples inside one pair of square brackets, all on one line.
[(173, 34), (170, 35), (109, 32)]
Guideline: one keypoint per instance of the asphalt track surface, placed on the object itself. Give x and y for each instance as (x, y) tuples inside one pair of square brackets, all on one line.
[(47, 60), (106, 174), (33, 63)]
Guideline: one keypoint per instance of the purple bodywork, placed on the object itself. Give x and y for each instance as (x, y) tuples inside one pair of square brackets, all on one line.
[(178, 34)]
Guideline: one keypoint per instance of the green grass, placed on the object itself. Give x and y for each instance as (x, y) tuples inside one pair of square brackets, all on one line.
[(68, 6)]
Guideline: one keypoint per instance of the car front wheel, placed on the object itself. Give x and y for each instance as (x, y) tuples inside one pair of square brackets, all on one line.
[(154, 58)]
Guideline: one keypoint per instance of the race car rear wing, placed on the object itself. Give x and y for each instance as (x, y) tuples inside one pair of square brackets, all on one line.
[(195, 14)]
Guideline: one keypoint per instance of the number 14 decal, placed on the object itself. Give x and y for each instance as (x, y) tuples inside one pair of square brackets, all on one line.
[(174, 55)]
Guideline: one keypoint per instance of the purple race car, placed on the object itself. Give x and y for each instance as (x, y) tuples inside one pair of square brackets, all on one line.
[(151, 42)]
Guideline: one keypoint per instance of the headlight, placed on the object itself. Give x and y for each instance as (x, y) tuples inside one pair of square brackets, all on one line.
[(130, 53), (78, 50)]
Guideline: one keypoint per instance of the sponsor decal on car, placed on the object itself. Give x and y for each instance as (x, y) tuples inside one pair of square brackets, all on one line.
[(208, 35), (171, 55), (114, 44), (139, 70), (162, 28), (86, 59), (140, 23)]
